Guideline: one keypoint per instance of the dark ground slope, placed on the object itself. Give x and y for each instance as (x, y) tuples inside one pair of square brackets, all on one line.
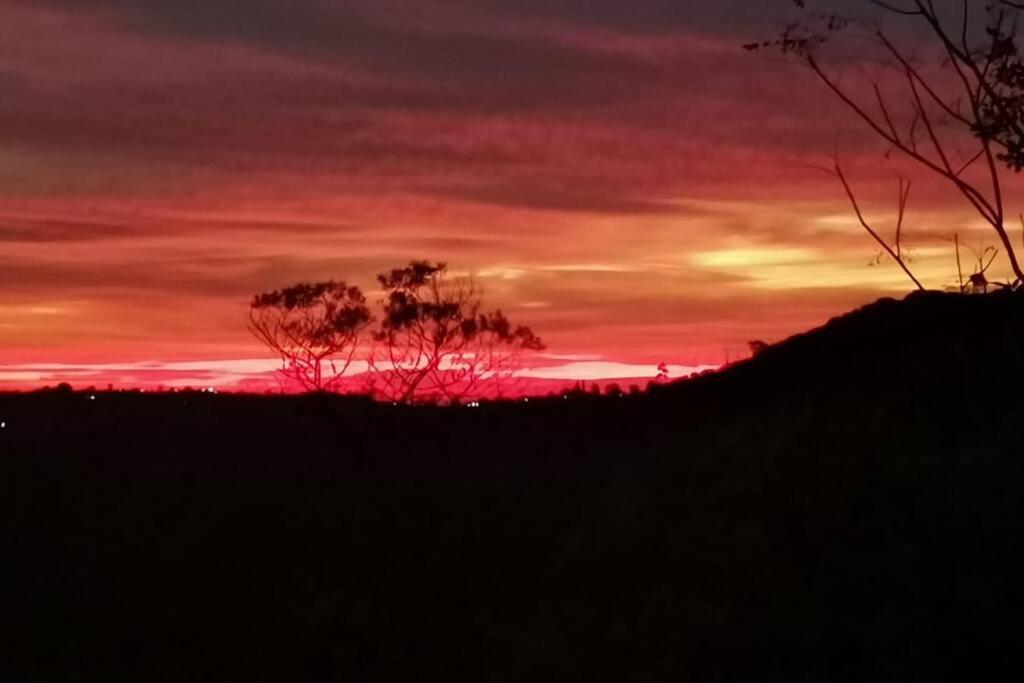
[(848, 506)]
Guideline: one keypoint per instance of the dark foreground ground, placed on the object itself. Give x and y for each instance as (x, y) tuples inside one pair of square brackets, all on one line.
[(848, 506)]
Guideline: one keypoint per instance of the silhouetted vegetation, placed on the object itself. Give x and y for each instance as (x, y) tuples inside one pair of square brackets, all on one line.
[(757, 347), (437, 344), (315, 329), (844, 506), (955, 106)]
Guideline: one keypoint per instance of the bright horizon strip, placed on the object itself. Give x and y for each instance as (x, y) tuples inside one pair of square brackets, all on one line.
[(240, 373)]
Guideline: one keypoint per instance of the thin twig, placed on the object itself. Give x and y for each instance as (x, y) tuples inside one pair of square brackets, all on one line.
[(871, 231)]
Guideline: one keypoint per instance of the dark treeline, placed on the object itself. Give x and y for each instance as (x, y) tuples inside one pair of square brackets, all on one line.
[(846, 506)]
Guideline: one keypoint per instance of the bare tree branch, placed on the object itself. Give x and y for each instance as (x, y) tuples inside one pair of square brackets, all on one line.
[(895, 254), (990, 79)]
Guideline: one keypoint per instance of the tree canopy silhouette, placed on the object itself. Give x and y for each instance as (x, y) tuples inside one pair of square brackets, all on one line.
[(954, 105), (315, 329), (436, 343)]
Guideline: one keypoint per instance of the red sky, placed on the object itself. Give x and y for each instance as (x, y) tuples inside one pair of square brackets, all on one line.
[(619, 175)]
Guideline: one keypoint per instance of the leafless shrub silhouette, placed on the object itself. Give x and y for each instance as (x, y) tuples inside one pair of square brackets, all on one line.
[(315, 329), (965, 102), (978, 280), (436, 344)]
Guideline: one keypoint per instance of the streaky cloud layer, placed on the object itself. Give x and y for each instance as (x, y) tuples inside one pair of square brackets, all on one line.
[(621, 176)]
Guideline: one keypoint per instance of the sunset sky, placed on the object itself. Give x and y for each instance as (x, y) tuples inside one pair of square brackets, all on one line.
[(622, 176)]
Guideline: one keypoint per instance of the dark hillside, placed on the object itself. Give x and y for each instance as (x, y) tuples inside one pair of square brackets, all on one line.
[(929, 338), (846, 506)]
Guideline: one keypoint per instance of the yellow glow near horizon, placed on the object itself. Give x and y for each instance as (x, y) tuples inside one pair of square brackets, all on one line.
[(753, 257)]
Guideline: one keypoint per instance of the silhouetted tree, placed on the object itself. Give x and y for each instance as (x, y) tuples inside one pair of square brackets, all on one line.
[(662, 372), (437, 344), (963, 101), (757, 347), (315, 330)]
